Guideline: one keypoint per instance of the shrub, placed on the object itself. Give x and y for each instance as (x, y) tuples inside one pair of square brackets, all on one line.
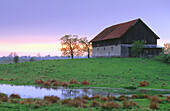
[(48, 80), (167, 99), (164, 56), (109, 105), (39, 102), (31, 59), (134, 96), (74, 82), (153, 105), (11, 79), (14, 101), (78, 98), (35, 103), (27, 101), (65, 101), (3, 97), (85, 82), (143, 84), (95, 104), (122, 98), (104, 99), (22, 102), (51, 99), (77, 102), (15, 96), (57, 83), (137, 47), (145, 96), (154, 99), (53, 81), (86, 97), (95, 97), (160, 95), (46, 83), (65, 84), (129, 104), (39, 81), (16, 59), (112, 98)]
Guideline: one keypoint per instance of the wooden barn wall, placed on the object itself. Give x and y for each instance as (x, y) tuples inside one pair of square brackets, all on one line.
[(106, 42), (139, 32), (124, 51)]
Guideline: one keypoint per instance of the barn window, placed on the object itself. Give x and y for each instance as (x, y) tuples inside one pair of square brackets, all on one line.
[(104, 48), (111, 48)]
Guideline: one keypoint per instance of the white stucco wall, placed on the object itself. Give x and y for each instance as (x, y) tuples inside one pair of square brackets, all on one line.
[(108, 52)]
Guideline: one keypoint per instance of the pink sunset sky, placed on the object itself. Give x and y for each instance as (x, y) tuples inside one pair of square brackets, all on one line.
[(29, 27)]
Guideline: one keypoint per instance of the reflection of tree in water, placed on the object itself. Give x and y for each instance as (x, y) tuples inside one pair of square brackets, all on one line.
[(85, 90), (70, 93)]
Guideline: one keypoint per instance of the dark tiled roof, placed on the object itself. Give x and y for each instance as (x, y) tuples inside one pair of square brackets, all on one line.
[(115, 31)]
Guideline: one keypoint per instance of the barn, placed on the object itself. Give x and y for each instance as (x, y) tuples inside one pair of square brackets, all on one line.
[(116, 41)]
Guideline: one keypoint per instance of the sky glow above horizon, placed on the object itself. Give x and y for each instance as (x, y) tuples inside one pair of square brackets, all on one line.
[(29, 27)]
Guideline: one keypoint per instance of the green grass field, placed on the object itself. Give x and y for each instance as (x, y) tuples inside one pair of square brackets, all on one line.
[(101, 72)]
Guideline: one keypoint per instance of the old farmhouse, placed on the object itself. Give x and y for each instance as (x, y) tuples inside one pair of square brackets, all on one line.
[(117, 40)]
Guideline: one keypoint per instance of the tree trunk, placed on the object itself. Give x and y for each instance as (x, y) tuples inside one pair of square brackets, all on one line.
[(71, 50), (72, 56), (71, 53), (88, 52)]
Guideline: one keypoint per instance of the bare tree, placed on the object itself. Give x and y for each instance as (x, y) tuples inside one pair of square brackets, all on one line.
[(70, 46), (85, 46)]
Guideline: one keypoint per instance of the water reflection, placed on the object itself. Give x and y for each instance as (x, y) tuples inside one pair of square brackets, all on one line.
[(40, 92), (63, 93)]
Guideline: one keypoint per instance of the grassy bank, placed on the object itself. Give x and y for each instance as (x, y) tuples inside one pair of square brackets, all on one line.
[(101, 72), (95, 103)]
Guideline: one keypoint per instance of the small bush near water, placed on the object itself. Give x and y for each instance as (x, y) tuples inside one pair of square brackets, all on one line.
[(15, 96), (143, 84), (3, 97), (59, 83), (85, 82), (153, 105), (74, 82), (129, 104), (86, 97), (51, 99), (81, 104), (167, 99), (77, 102), (109, 105), (95, 104), (154, 100)]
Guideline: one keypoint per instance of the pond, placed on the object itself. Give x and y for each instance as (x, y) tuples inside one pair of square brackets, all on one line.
[(39, 92)]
